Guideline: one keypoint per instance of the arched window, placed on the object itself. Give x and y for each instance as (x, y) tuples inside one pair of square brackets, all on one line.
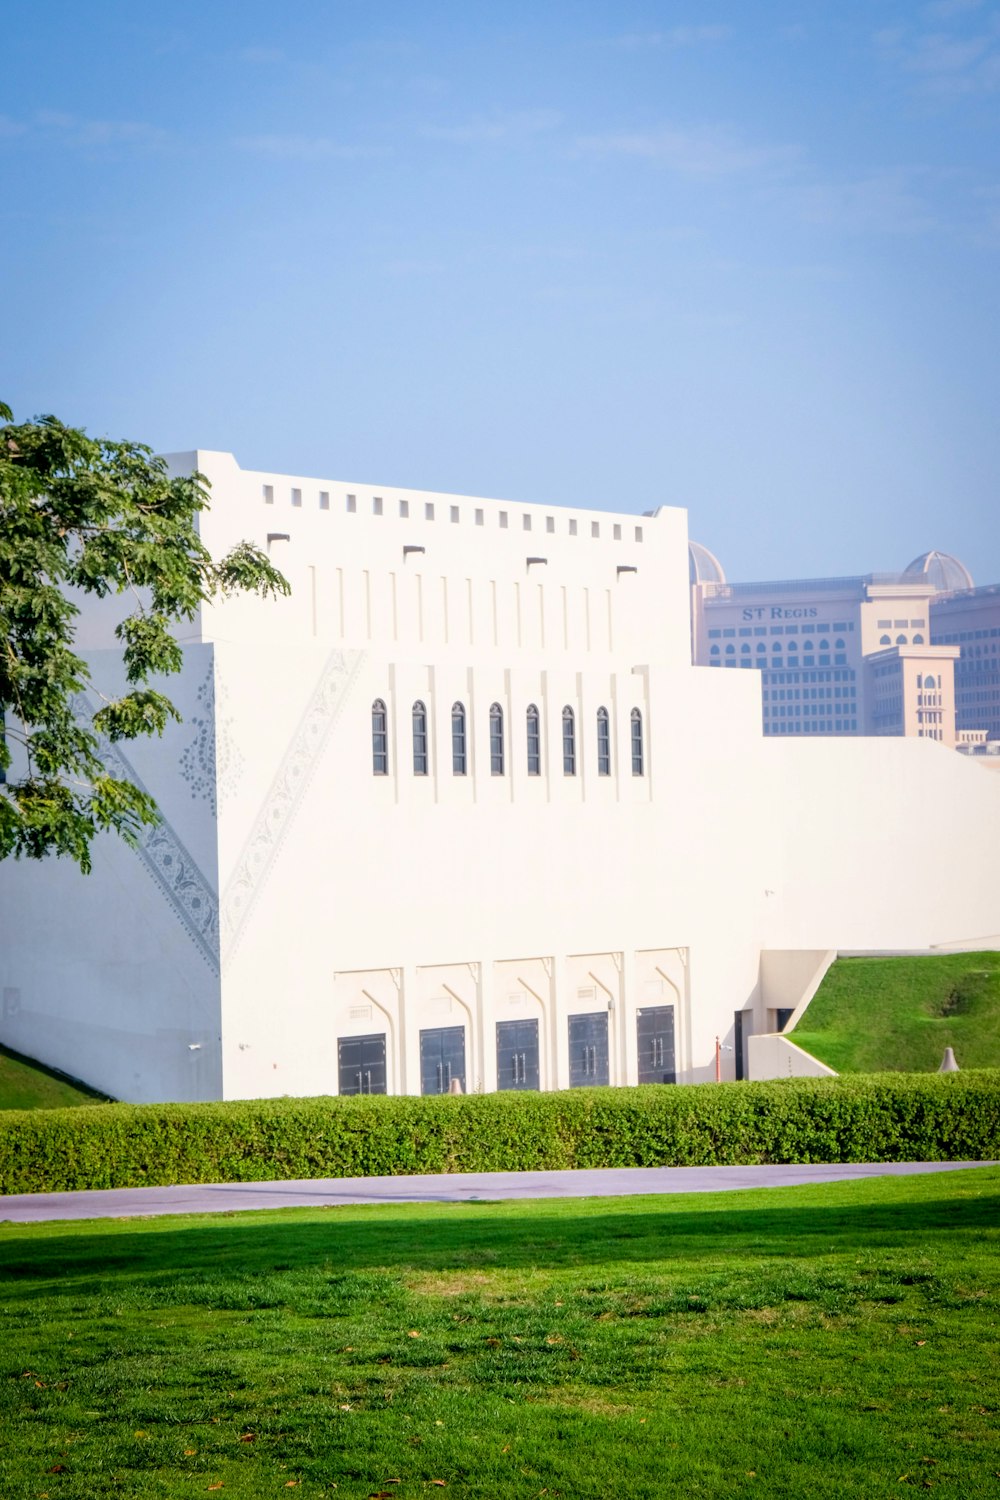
[(496, 740), (380, 739), (745, 650), (419, 739), (884, 640), (569, 741), (730, 650), (807, 645), (714, 651), (459, 758), (761, 648), (637, 750), (824, 645), (534, 741), (839, 646), (603, 743), (918, 640), (901, 640)]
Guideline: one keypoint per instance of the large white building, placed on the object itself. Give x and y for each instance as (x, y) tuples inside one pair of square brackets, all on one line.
[(461, 809)]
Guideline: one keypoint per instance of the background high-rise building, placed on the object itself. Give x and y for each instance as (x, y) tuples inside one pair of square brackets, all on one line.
[(910, 653)]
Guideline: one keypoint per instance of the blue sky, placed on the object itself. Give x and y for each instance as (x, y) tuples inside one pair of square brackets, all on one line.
[(741, 258)]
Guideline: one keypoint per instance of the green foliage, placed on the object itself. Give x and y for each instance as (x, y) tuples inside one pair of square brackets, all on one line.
[(899, 1014), (80, 515), (952, 1117), (812, 1341)]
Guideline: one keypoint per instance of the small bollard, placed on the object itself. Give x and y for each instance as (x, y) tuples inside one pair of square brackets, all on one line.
[(948, 1063), (455, 1086)]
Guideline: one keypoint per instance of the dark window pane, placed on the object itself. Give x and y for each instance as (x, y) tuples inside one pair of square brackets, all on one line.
[(637, 747), (419, 740), (603, 743), (380, 739), (496, 740), (569, 742), (534, 742), (459, 761)]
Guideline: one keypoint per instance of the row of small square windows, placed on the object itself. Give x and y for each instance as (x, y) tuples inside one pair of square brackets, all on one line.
[(794, 695), (840, 659), (811, 629), (454, 513), (498, 749), (776, 645), (814, 726)]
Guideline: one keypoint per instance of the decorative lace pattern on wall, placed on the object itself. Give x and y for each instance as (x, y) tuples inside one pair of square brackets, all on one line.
[(286, 792), (212, 765), (163, 855)]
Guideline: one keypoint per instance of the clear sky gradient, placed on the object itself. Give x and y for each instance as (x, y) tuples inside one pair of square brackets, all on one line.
[(737, 257)]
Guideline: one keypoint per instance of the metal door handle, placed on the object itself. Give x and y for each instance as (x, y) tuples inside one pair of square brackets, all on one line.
[(360, 1085), (368, 1076)]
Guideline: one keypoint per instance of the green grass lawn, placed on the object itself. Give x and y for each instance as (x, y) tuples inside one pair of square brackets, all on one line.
[(27, 1085), (831, 1341), (875, 1015)]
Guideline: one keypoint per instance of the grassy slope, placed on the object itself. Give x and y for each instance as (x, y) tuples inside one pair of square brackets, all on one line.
[(873, 1015), (833, 1341), (27, 1085)]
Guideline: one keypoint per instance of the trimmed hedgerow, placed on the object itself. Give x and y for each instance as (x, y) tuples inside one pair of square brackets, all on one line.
[(885, 1117)]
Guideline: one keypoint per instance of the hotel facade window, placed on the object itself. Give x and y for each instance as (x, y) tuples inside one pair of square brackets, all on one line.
[(534, 741), (638, 756), (569, 741), (459, 754), (419, 739), (380, 739), (603, 743), (496, 740)]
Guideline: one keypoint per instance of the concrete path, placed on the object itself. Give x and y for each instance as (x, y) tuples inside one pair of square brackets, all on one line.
[(457, 1187)]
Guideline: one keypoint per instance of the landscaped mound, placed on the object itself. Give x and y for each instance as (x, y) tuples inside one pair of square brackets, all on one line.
[(25, 1084), (875, 1015), (891, 1117)]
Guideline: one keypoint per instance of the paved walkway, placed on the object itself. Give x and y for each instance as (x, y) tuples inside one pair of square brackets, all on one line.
[(457, 1187)]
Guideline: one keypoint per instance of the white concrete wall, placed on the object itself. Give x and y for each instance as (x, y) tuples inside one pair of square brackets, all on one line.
[(885, 844), (113, 977), (790, 978), (774, 1056), (345, 895), (469, 591)]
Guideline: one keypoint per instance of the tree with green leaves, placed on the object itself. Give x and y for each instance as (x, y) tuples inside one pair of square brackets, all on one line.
[(82, 515)]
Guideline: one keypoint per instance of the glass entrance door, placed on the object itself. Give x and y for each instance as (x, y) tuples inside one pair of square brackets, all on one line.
[(517, 1055), (655, 1030), (442, 1059), (588, 1049), (361, 1062)]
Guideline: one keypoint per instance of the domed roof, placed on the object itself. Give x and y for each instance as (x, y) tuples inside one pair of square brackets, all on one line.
[(945, 572), (703, 566)]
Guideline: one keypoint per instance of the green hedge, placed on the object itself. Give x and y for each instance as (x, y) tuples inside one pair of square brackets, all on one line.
[(887, 1117)]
